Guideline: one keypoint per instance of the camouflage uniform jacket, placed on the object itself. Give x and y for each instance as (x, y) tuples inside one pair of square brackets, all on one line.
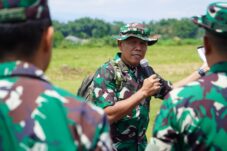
[(129, 132), (36, 115), (194, 117)]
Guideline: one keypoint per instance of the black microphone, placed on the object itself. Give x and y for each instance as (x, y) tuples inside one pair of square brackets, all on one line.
[(148, 71)]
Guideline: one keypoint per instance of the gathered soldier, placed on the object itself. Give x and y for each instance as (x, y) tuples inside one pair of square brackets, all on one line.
[(34, 114), (194, 117), (123, 88)]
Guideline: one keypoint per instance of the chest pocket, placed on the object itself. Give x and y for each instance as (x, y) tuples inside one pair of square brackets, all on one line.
[(129, 86)]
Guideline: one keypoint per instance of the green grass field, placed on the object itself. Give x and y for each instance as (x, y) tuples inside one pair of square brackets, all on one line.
[(70, 66)]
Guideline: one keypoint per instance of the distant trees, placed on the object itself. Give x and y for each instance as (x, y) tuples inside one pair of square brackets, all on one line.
[(170, 28), (88, 28)]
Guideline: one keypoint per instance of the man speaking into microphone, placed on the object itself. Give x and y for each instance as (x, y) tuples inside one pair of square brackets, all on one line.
[(123, 88)]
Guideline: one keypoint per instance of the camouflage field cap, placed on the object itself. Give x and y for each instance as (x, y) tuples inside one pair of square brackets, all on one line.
[(215, 19), (22, 10), (135, 30)]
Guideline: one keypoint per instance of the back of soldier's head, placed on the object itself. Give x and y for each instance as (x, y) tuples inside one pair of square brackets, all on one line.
[(22, 23), (215, 23)]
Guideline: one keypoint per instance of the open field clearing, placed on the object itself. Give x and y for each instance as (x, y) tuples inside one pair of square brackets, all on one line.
[(70, 66)]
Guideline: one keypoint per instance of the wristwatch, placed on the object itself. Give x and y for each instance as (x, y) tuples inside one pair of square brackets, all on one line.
[(201, 72)]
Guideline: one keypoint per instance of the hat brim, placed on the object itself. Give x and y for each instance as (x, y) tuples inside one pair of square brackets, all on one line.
[(206, 24), (201, 21), (150, 41)]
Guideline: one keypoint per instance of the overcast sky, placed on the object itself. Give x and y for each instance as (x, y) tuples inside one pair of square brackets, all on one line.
[(126, 10)]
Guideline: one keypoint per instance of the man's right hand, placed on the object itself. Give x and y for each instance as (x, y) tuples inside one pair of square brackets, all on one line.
[(151, 86)]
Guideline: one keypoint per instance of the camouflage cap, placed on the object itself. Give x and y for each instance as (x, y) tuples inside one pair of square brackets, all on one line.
[(22, 10), (135, 30), (215, 19)]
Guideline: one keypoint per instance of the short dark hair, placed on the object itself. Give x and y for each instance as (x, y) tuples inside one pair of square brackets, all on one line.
[(21, 39)]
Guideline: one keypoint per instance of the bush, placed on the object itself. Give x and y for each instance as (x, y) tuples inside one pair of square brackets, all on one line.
[(100, 42), (179, 42), (68, 44), (110, 42)]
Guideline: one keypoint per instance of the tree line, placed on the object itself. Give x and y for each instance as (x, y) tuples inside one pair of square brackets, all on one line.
[(99, 31)]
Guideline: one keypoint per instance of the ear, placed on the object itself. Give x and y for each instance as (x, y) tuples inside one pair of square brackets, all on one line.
[(45, 50), (119, 43), (48, 38)]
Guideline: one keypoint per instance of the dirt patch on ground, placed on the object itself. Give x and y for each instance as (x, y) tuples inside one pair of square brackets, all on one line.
[(67, 70), (172, 69)]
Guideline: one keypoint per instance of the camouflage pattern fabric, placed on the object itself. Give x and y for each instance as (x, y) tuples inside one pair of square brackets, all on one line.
[(35, 115), (129, 132), (215, 19), (194, 117), (135, 30), (22, 10)]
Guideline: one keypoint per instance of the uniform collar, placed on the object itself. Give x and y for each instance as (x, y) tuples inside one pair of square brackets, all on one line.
[(219, 67), (117, 59), (20, 68)]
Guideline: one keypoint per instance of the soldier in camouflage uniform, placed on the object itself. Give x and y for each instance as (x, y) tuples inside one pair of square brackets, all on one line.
[(122, 89), (194, 117), (115, 89), (34, 114)]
